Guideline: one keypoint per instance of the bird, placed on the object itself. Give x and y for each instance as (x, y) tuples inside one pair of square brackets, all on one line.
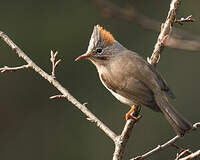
[(131, 79)]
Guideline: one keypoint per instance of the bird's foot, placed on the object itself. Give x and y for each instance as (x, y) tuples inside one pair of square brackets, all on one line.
[(129, 114)]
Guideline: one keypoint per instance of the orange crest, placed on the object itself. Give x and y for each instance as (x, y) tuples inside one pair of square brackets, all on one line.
[(107, 36)]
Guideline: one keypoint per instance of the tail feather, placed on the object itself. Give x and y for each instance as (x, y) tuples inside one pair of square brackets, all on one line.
[(179, 124)]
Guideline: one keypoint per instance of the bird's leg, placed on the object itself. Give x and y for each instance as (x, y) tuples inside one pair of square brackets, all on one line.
[(129, 114)]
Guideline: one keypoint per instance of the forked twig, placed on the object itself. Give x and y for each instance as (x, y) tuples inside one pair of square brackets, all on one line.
[(54, 62)]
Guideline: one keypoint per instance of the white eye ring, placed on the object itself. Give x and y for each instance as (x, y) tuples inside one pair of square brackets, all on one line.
[(99, 50)]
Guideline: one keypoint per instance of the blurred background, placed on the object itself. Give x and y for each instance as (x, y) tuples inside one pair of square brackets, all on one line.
[(34, 127)]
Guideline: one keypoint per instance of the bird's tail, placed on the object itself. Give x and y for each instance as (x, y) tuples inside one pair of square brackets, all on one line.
[(179, 124)]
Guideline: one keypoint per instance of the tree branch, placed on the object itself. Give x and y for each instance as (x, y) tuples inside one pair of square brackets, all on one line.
[(122, 140), (179, 38), (166, 29)]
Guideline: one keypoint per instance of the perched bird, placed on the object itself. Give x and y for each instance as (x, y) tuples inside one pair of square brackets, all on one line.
[(131, 79)]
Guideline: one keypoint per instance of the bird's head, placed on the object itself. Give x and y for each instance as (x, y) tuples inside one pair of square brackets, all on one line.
[(102, 46)]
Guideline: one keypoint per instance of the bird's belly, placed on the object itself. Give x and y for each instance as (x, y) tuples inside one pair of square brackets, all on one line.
[(118, 96), (121, 98)]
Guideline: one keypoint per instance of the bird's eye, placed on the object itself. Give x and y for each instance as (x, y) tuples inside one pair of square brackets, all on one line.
[(99, 50)]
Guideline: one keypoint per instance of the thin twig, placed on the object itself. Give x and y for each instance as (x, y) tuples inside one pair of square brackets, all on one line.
[(166, 29), (13, 69), (57, 96), (179, 38), (192, 156), (57, 85), (157, 149), (54, 62), (185, 20)]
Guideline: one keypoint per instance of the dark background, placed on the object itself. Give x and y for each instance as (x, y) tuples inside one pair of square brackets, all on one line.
[(35, 128)]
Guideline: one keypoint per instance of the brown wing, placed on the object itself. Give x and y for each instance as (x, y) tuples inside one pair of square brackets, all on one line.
[(155, 76), (147, 73), (130, 88), (139, 92)]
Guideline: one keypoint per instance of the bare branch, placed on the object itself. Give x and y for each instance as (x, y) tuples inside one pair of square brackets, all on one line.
[(179, 38), (13, 69), (165, 32), (185, 20), (57, 85), (122, 140), (192, 156)]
